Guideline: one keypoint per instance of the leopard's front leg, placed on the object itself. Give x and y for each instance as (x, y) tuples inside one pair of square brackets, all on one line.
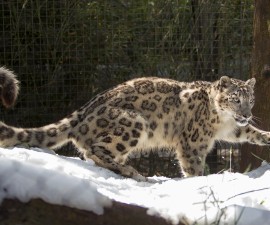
[(192, 161), (252, 135)]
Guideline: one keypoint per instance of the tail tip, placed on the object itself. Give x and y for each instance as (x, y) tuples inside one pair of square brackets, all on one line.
[(9, 87)]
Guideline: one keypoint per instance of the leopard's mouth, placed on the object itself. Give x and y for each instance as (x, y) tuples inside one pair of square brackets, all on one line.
[(241, 120)]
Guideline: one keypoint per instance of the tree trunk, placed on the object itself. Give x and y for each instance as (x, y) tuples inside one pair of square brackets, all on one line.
[(260, 68)]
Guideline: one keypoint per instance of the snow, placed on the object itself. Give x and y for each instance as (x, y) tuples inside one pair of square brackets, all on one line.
[(228, 198)]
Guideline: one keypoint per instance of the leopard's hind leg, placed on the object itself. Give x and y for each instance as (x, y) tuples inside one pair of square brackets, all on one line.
[(106, 158)]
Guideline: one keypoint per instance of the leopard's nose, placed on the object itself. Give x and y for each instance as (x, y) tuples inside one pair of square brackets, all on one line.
[(247, 116)]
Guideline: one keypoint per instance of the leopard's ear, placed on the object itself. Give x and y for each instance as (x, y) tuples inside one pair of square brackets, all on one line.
[(224, 82), (251, 82)]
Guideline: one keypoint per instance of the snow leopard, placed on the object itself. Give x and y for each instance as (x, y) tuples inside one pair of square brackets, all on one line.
[(146, 113)]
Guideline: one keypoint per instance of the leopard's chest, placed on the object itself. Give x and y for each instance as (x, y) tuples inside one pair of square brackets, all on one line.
[(224, 129)]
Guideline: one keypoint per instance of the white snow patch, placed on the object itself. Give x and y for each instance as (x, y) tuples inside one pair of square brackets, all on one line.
[(229, 198)]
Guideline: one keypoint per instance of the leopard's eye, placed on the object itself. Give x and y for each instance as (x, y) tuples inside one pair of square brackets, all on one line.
[(236, 100)]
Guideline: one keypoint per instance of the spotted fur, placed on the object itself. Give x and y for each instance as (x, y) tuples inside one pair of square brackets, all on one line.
[(9, 87), (149, 113)]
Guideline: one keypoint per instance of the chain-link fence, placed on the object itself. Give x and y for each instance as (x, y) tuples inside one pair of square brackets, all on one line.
[(66, 51)]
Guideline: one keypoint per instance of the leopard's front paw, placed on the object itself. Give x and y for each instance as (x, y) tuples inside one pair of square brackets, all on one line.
[(265, 138)]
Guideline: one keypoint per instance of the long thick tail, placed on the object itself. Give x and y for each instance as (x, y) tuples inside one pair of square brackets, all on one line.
[(9, 87), (49, 136)]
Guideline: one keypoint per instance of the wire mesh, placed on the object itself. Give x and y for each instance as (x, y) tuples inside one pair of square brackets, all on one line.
[(66, 51)]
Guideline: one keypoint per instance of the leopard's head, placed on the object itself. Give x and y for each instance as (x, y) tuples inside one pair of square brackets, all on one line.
[(235, 98)]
